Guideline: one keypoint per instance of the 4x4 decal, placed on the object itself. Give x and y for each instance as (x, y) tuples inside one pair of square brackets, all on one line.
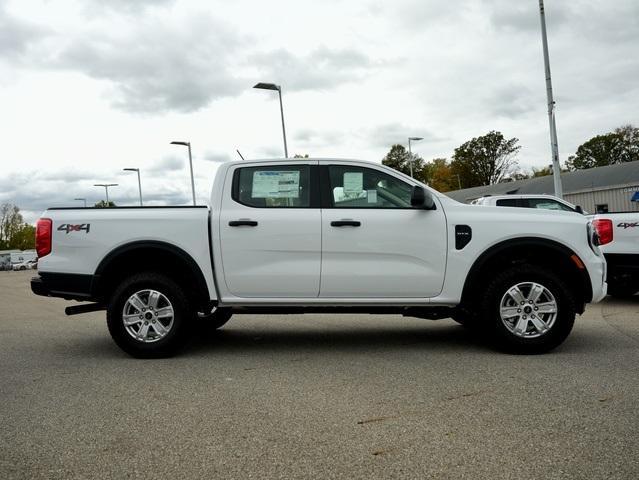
[(67, 227)]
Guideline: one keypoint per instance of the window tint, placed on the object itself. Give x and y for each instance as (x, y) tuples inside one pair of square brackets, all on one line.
[(358, 187), (548, 204), (277, 186), (507, 202)]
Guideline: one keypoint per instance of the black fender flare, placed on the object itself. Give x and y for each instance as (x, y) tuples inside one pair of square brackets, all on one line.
[(495, 250), (202, 291)]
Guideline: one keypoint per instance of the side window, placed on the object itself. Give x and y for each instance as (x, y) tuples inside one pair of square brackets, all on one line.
[(277, 186), (359, 187), (548, 204), (507, 202)]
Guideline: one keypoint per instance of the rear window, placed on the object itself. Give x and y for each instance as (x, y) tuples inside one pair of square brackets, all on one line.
[(507, 202)]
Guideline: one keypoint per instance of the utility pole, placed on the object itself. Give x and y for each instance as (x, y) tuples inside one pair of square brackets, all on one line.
[(556, 171)]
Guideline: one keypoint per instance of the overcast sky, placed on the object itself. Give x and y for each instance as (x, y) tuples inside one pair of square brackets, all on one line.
[(88, 89)]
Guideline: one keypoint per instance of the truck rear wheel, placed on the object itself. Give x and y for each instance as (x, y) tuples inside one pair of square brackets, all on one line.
[(149, 316), (527, 310)]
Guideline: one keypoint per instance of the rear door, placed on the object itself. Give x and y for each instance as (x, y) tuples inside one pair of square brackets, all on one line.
[(374, 244), (270, 230)]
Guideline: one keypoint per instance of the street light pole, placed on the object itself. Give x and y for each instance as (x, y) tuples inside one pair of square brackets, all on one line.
[(106, 189), (188, 144), (83, 200), (139, 181), (551, 106), (410, 153), (278, 88)]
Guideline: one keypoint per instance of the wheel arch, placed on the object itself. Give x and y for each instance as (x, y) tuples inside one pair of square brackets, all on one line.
[(150, 255), (538, 251)]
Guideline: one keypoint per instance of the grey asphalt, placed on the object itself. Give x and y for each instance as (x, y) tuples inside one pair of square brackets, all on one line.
[(314, 397)]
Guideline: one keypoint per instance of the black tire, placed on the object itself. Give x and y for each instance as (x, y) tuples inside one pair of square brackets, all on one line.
[(216, 319), (506, 340), (182, 316)]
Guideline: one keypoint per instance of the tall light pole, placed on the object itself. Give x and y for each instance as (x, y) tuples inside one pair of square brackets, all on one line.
[(188, 144), (278, 88), (106, 189), (556, 171), (139, 182), (410, 153), (82, 200)]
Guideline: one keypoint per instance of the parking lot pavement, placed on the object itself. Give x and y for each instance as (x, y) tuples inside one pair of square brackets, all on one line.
[(348, 396)]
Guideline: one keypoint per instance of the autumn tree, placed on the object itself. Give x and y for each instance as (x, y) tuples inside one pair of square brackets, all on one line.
[(439, 175), (619, 146), (485, 160)]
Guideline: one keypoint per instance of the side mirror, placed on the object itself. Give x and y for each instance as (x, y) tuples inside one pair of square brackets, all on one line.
[(421, 199), (578, 209)]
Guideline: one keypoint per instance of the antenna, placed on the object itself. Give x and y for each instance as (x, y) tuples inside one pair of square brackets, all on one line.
[(238, 152)]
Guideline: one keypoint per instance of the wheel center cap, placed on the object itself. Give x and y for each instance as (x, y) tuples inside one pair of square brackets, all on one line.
[(527, 309), (148, 316)]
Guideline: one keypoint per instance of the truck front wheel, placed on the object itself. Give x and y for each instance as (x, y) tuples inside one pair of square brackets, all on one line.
[(149, 316), (528, 310)]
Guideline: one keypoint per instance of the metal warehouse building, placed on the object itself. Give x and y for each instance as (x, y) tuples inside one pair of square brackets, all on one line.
[(614, 188)]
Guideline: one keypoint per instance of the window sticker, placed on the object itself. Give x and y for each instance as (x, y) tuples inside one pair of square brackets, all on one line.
[(276, 184), (353, 182), (371, 196)]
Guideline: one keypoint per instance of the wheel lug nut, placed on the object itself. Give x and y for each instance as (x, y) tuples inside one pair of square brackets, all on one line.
[(141, 317), (519, 310), (529, 301), (523, 303), (144, 309), (536, 308), (146, 323), (524, 317)]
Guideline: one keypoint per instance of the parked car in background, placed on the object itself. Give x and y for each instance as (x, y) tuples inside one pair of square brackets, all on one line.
[(546, 202), (28, 265)]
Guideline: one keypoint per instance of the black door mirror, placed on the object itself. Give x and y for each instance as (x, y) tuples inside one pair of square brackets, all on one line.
[(421, 199), (578, 209)]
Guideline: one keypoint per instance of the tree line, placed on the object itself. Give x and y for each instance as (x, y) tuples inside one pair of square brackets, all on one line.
[(492, 158), (15, 233)]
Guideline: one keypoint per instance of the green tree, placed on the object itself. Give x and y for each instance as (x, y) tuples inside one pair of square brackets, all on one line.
[(24, 238), (10, 223), (399, 159), (611, 148), (104, 204), (485, 160), (299, 155)]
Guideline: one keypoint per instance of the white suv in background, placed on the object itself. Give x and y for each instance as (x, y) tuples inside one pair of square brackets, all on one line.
[(546, 202)]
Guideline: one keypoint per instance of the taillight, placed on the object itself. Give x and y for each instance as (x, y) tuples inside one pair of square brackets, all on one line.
[(603, 227), (43, 236)]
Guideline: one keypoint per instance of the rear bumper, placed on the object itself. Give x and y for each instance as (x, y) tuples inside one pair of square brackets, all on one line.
[(70, 286)]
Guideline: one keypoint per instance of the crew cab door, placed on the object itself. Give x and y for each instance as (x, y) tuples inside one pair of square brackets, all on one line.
[(270, 230), (374, 244)]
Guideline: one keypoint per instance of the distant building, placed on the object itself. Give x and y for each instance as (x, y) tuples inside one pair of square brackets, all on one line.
[(614, 188)]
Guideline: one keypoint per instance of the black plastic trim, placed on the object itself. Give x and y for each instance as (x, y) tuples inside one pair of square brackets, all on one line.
[(97, 285), (71, 286), (496, 250), (463, 236)]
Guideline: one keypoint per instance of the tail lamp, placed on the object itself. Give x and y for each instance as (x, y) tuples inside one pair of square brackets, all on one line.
[(43, 236), (603, 228)]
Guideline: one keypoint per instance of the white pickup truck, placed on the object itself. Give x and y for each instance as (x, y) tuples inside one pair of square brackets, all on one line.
[(620, 233), (333, 236)]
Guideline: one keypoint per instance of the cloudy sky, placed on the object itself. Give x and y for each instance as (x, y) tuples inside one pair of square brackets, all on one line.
[(88, 87)]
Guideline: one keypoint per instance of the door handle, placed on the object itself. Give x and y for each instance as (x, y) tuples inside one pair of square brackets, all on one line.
[(345, 223), (242, 223)]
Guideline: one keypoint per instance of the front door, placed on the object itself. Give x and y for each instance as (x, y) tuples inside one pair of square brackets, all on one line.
[(374, 244), (270, 228)]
